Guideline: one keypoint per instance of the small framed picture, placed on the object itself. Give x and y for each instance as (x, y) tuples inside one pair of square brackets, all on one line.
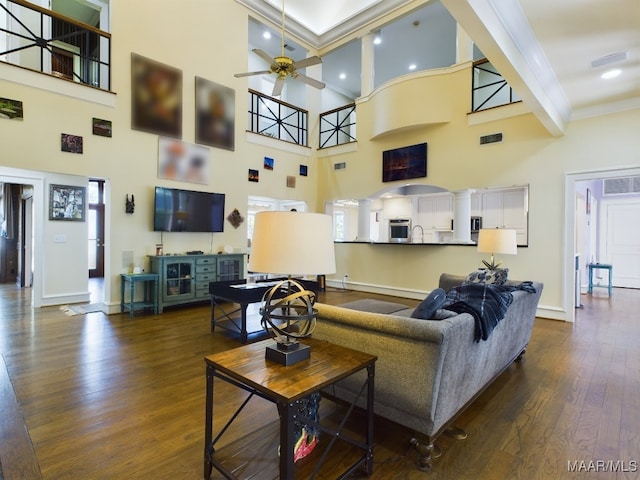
[(101, 127), (268, 163), (254, 175), (67, 202), (291, 181), (303, 170), (71, 143)]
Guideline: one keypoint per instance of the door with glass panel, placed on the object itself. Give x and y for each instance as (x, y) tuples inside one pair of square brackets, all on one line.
[(95, 218)]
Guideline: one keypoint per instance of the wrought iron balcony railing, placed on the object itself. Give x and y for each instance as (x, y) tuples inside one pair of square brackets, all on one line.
[(39, 39), (489, 88), (277, 119), (338, 126)]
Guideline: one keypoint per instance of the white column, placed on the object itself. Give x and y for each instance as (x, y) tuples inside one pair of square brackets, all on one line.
[(364, 220), (367, 65), (462, 216), (464, 46)]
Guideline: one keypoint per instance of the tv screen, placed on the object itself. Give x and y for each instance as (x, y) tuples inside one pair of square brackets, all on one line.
[(188, 211), (404, 163)]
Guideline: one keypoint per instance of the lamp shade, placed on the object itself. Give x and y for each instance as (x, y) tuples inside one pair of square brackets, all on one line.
[(497, 240), (292, 243)]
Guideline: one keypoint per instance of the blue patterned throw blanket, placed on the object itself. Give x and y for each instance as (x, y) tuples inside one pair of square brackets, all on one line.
[(487, 303)]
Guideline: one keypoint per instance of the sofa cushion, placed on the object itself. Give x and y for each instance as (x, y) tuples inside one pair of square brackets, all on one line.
[(428, 307), (497, 276)]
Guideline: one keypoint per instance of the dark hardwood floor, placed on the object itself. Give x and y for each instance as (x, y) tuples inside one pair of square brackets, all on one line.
[(107, 397)]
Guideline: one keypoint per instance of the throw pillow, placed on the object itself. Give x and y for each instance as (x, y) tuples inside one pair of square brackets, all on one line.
[(427, 308), (488, 277)]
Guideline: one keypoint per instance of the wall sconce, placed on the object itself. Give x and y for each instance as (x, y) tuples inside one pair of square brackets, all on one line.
[(129, 204)]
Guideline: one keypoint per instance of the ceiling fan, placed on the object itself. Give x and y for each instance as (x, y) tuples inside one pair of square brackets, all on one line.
[(284, 66)]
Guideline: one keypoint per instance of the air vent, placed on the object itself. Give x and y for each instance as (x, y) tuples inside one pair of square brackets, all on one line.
[(493, 138), (609, 59), (621, 186), (340, 166)]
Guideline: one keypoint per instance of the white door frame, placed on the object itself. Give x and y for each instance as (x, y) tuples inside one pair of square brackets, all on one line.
[(570, 227)]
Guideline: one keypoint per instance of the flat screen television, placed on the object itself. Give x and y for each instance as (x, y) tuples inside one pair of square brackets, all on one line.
[(187, 211), (404, 163)]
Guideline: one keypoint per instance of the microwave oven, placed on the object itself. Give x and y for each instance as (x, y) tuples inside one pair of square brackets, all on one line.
[(399, 230)]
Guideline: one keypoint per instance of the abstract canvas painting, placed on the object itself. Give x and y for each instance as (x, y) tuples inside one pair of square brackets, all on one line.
[(182, 161), (156, 97), (215, 114)]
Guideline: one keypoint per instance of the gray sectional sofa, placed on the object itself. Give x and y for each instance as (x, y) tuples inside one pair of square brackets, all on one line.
[(428, 371)]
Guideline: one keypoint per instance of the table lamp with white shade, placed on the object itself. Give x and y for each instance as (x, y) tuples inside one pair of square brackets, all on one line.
[(497, 240), (292, 244)]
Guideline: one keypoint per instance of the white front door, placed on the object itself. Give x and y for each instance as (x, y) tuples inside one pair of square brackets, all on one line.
[(622, 240)]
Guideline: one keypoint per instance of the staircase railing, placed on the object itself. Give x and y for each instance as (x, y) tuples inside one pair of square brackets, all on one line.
[(338, 126), (489, 88), (277, 119), (42, 40)]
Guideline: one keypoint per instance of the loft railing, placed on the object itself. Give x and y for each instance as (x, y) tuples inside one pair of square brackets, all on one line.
[(277, 119), (39, 39), (489, 88), (338, 126)]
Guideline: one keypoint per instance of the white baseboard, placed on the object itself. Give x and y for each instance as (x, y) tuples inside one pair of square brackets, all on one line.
[(52, 300)]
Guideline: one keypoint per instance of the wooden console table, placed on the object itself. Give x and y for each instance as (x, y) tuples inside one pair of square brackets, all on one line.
[(246, 368), (149, 282)]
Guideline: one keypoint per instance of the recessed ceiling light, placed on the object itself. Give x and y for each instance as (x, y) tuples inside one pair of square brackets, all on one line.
[(412, 66), (377, 40), (266, 35), (343, 76), (613, 73)]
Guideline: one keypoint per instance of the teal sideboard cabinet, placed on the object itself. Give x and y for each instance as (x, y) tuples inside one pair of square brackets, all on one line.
[(185, 278)]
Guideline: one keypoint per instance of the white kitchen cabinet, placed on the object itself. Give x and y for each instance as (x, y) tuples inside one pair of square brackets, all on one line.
[(506, 208), (435, 212)]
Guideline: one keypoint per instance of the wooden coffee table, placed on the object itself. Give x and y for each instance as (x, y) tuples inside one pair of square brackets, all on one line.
[(246, 368)]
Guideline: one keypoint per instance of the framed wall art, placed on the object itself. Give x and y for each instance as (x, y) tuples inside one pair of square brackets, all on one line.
[(71, 143), (67, 202), (404, 163), (11, 109), (215, 114), (101, 127), (185, 162), (156, 97), (254, 175)]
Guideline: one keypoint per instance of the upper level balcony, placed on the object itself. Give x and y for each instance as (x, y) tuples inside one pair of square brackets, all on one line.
[(44, 41)]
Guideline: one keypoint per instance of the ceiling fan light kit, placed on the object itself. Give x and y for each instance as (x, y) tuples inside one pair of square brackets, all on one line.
[(284, 66)]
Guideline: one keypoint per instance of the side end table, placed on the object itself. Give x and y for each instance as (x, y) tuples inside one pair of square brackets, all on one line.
[(149, 282)]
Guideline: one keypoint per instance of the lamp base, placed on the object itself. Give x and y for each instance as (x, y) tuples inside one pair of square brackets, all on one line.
[(287, 353)]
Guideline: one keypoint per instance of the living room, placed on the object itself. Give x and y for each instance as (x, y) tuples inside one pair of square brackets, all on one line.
[(529, 155), (214, 45)]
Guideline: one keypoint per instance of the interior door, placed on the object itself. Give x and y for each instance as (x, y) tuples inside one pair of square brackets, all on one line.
[(95, 220), (622, 246)]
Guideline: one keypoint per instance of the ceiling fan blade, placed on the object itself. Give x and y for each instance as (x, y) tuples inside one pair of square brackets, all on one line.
[(264, 55), (277, 87), (307, 62), (310, 81), (248, 74)]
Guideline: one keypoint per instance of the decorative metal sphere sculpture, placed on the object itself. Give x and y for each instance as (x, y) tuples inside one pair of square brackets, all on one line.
[(288, 314)]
